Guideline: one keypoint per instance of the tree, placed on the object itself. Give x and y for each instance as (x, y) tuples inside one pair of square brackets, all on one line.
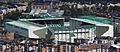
[(13, 15)]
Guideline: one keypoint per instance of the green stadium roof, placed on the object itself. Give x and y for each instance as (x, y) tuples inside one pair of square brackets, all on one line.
[(97, 19), (22, 24)]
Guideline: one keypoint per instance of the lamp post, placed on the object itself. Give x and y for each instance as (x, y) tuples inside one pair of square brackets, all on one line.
[(26, 49), (12, 46), (40, 45)]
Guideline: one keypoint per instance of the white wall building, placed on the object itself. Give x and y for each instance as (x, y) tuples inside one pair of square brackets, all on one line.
[(69, 34), (22, 8)]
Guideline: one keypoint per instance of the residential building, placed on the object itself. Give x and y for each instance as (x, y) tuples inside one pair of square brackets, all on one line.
[(7, 1), (46, 0), (1, 16), (21, 7), (44, 6), (3, 9), (11, 8)]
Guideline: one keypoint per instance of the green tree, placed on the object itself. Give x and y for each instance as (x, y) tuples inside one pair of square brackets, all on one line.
[(13, 15)]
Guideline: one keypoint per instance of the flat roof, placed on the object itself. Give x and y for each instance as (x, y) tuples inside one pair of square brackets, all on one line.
[(22, 24), (96, 19), (70, 28), (42, 19), (28, 16)]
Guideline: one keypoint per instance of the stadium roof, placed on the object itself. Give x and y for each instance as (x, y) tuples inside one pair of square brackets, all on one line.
[(94, 20), (41, 19), (26, 16), (70, 28), (22, 24)]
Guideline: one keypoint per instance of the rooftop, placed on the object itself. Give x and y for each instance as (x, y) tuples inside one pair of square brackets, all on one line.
[(97, 19), (22, 24), (70, 28), (116, 46), (35, 17), (12, 6), (94, 20)]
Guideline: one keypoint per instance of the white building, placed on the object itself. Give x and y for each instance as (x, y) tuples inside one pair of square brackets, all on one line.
[(10, 9), (69, 33), (21, 7)]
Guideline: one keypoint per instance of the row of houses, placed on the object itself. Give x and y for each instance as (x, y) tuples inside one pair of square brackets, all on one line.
[(6, 1), (8, 8), (13, 7)]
